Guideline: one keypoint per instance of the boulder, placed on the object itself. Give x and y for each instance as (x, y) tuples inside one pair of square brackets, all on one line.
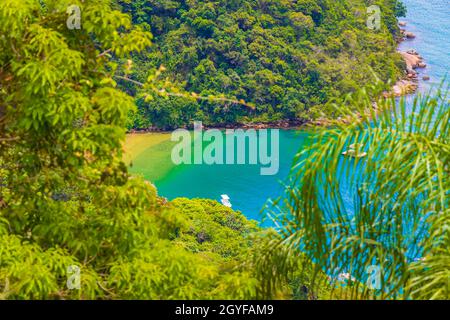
[(402, 24), (412, 60), (410, 35), (403, 87), (426, 78)]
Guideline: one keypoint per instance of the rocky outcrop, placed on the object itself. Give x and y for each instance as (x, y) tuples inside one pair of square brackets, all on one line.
[(412, 59), (409, 84), (410, 35), (407, 34), (404, 87)]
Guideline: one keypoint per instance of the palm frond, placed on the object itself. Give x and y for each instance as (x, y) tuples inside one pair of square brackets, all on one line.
[(382, 207)]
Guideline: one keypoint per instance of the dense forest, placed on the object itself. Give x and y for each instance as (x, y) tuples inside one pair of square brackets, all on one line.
[(286, 58)]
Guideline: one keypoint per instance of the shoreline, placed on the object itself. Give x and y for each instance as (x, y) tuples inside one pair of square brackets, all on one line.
[(406, 85), (282, 125), (409, 83)]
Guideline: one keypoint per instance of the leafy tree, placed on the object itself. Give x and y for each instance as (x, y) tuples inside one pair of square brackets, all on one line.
[(66, 198), (400, 9)]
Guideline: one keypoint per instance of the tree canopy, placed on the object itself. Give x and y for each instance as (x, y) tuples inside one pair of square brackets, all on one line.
[(66, 198), (288, 58)]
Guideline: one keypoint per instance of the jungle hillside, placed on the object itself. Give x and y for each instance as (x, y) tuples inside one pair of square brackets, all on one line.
[(286, 59)]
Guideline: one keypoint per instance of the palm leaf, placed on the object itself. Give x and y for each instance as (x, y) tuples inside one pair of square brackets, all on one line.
[(385, 206)]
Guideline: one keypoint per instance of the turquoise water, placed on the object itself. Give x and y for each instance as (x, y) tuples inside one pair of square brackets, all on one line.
[(248, 190)]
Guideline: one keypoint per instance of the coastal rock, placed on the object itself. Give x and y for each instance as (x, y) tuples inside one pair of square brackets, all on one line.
[(426, 78), (410, 83), (422, 65), (412, 60), (402, 24), (410, 35), (403, 87)]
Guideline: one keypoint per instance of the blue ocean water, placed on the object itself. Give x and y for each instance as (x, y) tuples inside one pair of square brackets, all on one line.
[(429, 20), (248, 190)]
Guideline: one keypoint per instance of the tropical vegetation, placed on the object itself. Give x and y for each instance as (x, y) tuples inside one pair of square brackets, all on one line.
[(68, 202), (287, 59), (66, 198)]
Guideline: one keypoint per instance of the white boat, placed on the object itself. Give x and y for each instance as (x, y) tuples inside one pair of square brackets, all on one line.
[(346, 277), (354, 154), (226, 201), (351, 152)]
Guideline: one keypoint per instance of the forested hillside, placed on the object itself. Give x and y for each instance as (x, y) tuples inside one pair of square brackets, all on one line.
[(288, 58)]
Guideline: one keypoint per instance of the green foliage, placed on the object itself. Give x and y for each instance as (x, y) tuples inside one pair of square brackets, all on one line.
[(288, 58), (388, 208), (215, 228), (66, 197), (400, 9)]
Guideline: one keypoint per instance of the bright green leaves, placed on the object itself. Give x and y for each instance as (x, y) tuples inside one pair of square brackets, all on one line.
[(113, 106), (27, 271), (163, 271), (135, 41), (3, 226), (63, 184), (14, 15), (105, 23), (41, 77), (205, 259)]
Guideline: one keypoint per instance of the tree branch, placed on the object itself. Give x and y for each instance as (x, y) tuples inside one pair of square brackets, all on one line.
[(182, 95), (104, 53)]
